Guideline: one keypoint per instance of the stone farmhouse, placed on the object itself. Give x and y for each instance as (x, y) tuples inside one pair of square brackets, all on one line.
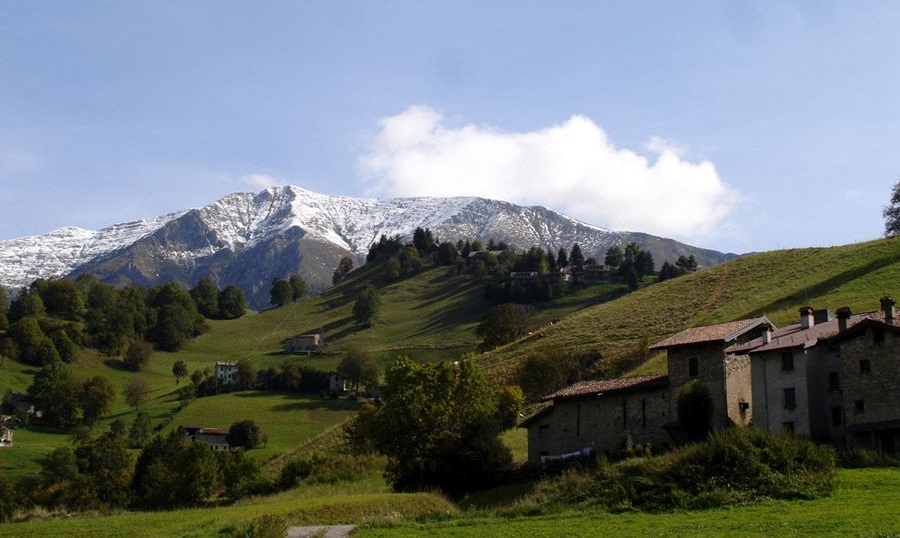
[(600, 416), (303, 343), (831, 378)]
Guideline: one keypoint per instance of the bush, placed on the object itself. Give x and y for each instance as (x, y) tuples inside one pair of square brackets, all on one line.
[(857, 458), (733, 466), (267, 526)]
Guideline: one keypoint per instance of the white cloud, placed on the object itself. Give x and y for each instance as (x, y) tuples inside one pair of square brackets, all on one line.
[(262, 181), (571, 167)]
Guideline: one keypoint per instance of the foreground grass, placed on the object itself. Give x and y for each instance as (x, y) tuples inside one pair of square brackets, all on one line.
[(863, 505)]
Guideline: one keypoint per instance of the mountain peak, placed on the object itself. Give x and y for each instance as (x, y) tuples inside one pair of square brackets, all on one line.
[(248, 238)]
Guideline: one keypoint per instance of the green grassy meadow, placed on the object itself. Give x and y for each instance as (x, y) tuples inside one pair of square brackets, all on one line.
[(863, 505), (775, 284), (431, 316)]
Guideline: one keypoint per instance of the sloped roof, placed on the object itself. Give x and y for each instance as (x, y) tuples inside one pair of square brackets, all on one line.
[(872, 319), (795, 336), (720, 332), (606, 386)]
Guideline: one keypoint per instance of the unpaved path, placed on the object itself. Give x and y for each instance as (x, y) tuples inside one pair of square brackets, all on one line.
[(325, 531)]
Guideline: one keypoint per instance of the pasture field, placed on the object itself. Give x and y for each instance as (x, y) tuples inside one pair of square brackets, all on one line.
[(863, 505)]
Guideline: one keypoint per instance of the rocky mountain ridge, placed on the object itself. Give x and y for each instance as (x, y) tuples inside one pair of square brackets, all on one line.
[(249, 238)]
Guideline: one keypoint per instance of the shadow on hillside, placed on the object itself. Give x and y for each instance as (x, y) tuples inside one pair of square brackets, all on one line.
[(115, 364), (316, 405), (819, 289)]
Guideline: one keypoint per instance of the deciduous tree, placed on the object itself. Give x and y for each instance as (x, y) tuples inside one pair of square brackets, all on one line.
[(244, 434), (438, 426), (367, 307), (281, 292), (503, 324), (891, 213)]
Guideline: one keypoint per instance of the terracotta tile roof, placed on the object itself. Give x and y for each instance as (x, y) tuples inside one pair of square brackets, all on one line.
[(606, 386), (794, 336), (711, 333)]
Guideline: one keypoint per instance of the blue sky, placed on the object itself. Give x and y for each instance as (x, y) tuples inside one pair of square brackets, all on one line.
[(733, 125)]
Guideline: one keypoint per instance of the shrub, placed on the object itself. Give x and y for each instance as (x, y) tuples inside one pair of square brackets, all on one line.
[(733, 466), (268, 526)]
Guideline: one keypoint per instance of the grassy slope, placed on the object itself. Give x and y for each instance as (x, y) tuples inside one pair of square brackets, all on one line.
[(774, 284), (863, 505), (432, 315)]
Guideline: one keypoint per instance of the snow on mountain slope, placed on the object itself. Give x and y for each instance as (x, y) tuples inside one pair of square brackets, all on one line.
[(56, 253), (252, 228)]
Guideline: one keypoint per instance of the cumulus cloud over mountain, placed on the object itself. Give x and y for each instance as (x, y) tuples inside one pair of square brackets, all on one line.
[(573, 167)]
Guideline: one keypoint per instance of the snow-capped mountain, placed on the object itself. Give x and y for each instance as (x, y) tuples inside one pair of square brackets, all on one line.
[(248, 239)]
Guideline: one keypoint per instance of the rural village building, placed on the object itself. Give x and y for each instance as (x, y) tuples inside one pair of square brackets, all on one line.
[(600, 416), (216, 438), (831, 378), (226, 372), (303, 343), (869, 380)]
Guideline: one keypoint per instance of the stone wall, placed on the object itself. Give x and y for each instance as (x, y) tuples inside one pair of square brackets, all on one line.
[(711, 372), (878, 390), (606, 424)]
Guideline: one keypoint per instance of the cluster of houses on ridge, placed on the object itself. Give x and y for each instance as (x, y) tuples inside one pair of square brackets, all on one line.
[(832, 378)]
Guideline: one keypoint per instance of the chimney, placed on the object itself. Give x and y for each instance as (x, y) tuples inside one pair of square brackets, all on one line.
[(887, 306), (807, 317), (766, 335), (843, 316)]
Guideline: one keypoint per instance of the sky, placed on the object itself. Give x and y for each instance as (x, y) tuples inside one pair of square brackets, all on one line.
[(734, 125)]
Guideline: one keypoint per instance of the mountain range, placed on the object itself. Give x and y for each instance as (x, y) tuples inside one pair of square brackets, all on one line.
[(248, 239)]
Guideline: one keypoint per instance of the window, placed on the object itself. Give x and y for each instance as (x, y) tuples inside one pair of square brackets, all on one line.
[(693, 367), (788, 426), (878, 336), (837, 417), (834, 381), (790, 398), (787, 362), (865, 366), (859, 407)]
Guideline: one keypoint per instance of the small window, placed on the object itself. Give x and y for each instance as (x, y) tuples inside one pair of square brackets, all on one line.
[(865, 366), (834, 381), (788, 426), (837, 417), (693, 367), (787, 362), (790, 398), (859, 407)]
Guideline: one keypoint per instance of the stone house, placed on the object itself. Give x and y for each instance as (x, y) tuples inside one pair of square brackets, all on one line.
[(796, 375), (303, 343), (869, 380), (6, 437), (606, 416), (707, 354), (600, 417)]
